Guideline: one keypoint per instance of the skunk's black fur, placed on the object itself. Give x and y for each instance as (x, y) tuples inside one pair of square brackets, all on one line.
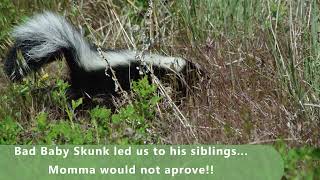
[(47, 36)]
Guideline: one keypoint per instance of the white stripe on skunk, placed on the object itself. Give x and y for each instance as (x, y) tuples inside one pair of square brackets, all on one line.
[(46, 36)]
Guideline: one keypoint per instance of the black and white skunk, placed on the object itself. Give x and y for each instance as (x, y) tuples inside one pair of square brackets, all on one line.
[(48, 36)]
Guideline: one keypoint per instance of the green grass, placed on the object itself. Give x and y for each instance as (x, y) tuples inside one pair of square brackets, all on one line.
[(97, 126), (301, 162), (262, 59)]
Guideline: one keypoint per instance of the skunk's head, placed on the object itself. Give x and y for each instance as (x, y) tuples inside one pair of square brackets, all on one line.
[(178, 74)]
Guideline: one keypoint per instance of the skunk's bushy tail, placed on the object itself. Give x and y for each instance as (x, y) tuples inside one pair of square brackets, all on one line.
[(42, 39)]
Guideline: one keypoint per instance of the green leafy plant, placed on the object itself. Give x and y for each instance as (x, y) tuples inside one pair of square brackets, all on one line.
[(61, 132), (100, 117), (60, 97), (65, 133), (143, 106), (42, 121), (138, 114), (9, 130), (300, 163)]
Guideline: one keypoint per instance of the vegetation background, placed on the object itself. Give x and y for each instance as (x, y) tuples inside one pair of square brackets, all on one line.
[(262, 59)]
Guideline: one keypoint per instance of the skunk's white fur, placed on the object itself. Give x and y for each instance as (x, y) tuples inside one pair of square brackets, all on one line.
[(54, 33), (46, 36), (126, 57)]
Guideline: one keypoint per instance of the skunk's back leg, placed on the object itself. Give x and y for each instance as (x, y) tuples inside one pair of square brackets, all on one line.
[(11, 68)]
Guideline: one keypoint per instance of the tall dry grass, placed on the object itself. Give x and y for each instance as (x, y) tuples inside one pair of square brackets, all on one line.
[(261, 59)]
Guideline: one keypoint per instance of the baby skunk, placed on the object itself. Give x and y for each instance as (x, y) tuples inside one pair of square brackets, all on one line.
[(48, 36)]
